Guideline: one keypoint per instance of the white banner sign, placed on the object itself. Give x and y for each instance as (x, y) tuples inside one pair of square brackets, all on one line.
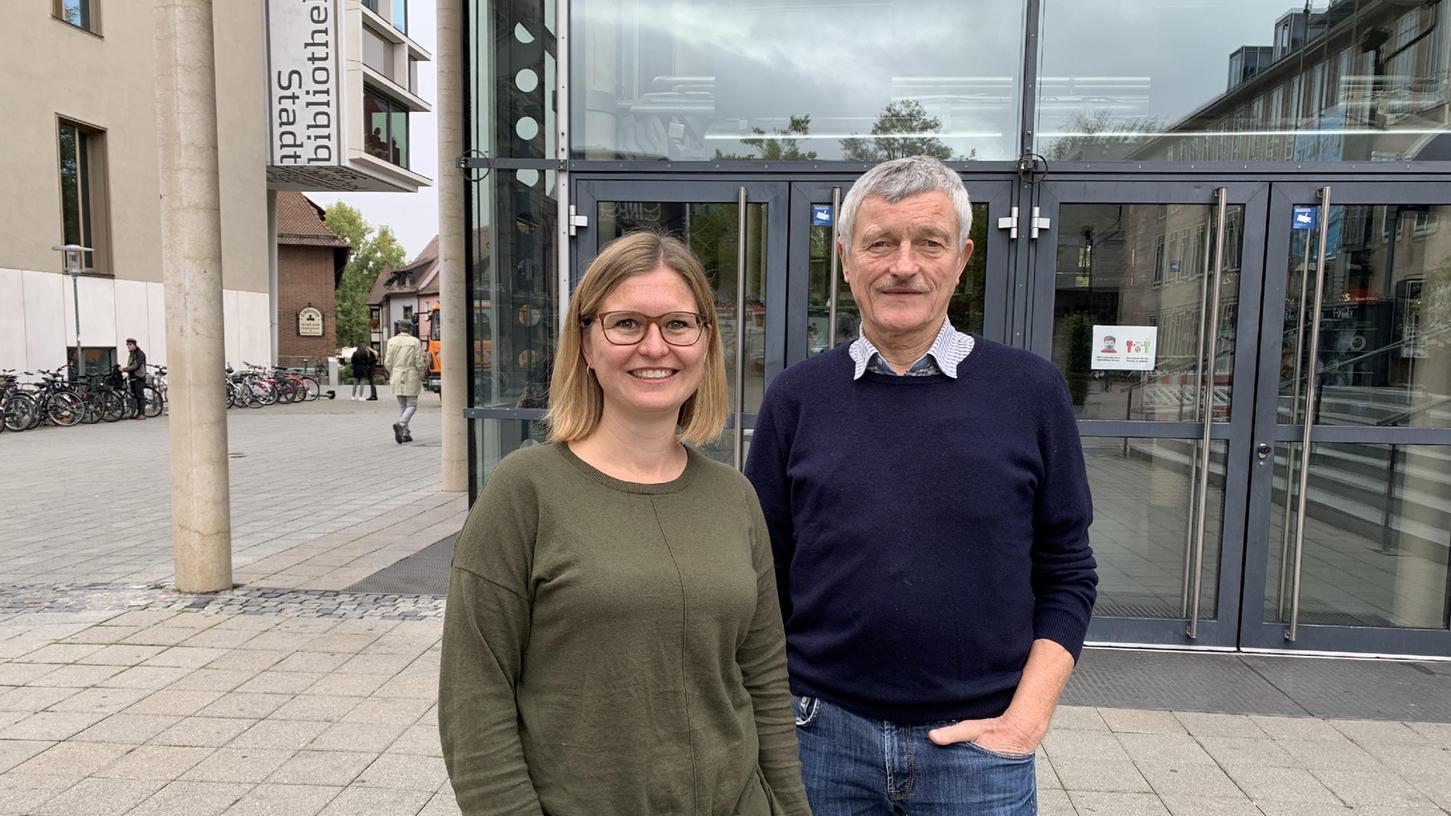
[(304, 83), (1125, 348)]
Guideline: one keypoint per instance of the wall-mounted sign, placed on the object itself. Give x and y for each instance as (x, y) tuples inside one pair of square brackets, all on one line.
[(304, 83), (1125, 348), (309, 322)]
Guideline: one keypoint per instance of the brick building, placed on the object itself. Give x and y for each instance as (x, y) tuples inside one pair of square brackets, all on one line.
[(310, 261)]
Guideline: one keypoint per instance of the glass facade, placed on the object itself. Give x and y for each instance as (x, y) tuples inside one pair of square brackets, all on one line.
[(1351, 80), (782, 81), (1107, 147)]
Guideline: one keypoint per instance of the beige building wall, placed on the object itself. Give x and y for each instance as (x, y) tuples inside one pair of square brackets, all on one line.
[(107, 82)]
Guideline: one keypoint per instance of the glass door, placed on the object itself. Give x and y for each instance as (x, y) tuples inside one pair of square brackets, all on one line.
[(738, 231), (822, 312), (1146, 297), (1351, 489)]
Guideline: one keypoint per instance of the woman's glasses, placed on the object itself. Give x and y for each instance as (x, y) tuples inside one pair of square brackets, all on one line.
[(628, 328)]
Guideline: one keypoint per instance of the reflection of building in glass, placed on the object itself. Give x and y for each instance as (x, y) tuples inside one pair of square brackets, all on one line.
[(657, 87), (1359, 80)]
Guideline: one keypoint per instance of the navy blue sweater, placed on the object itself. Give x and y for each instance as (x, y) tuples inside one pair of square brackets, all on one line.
[(926, 530)]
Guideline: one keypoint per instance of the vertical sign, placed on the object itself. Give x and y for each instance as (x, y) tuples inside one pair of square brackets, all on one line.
[(303, 83)]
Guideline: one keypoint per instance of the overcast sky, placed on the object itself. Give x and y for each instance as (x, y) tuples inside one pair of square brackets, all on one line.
[(413, 216)]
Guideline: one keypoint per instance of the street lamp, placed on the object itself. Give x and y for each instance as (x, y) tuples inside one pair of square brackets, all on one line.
[(75, 263)]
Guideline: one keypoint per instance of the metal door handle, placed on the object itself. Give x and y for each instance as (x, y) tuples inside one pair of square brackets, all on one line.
[(1311, 387), (1285, 533), (831, 303), (1201, 508), (738, 433), (1188, 571)]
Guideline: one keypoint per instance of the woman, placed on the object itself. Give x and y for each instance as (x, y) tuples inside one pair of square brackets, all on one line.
[(613, 641)]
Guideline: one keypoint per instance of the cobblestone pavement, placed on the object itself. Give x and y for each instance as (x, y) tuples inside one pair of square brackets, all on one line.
[(289, 696), (322, 497)]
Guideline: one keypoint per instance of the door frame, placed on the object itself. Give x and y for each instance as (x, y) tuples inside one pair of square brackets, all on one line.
[(1257, 634), (1220, 632)]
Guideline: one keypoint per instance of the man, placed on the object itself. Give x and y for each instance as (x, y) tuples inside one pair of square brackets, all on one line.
[(927, 501), (405, 364), (136, 370)]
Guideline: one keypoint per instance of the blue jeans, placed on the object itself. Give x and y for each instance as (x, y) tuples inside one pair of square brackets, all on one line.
[(854, 766)]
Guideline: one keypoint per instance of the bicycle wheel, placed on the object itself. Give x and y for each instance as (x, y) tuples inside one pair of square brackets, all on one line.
[(113, 406), (93, 408), (19, 412), (266, 392), (65, 409), (255, 393), (311, 388), (286, 391), (154, 404), (231, 395)]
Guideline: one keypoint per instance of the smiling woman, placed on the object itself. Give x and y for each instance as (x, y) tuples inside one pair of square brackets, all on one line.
[(568, 652)]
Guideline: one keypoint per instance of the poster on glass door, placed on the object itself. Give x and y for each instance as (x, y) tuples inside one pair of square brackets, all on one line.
[(1124, 348)]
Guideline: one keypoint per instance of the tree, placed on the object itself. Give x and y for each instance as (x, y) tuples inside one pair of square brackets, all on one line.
[(777, 149), (1098, 135), (905, 116), (373, 251)]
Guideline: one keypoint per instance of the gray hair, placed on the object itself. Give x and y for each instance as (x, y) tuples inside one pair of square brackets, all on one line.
[(902, 178)]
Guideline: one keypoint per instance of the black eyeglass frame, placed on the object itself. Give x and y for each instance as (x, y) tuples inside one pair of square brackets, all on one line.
[(650, 320)]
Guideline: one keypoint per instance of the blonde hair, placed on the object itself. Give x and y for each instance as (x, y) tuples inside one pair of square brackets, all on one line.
[(576, 402)]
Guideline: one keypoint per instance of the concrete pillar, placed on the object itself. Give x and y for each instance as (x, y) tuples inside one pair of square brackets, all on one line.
[(272, 288), (453, 297), (191, 257)]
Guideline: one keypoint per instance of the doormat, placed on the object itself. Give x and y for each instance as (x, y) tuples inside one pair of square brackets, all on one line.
[(423, 573)]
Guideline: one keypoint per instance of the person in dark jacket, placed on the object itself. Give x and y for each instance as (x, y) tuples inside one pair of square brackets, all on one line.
[(362, 362), (136, 370), (935, 574)]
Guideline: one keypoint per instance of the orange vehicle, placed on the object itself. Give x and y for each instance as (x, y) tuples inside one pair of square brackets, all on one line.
[(430, 332)]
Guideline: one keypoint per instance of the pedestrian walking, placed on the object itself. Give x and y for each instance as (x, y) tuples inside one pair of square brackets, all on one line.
[(405, 364), (935, 571), (612, 644), (362, 367), (136, 370)]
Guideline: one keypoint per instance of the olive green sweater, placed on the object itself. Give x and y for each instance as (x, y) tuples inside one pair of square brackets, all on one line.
[(616, 649)]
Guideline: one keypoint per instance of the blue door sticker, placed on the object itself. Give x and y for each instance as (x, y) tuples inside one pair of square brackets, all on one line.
[(820, 215), (1303, 218)]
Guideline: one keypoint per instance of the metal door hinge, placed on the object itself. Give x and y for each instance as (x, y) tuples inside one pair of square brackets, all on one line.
[(576, 220), (1037, 223), (1010, 223)]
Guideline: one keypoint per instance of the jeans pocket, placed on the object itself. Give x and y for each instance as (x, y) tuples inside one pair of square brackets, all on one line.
[(805, 709), (1006, 757)]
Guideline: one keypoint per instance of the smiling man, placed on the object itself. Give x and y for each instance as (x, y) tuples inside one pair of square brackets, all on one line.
[(929, 511)]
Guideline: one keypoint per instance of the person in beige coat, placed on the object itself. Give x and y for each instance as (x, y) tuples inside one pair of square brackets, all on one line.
[(405, 363)]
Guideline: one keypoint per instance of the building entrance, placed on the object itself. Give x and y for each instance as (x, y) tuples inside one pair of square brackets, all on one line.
[(1213, 525), (1183, 316)]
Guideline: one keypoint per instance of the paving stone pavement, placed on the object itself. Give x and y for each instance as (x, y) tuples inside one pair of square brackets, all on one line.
[(289, 696)]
